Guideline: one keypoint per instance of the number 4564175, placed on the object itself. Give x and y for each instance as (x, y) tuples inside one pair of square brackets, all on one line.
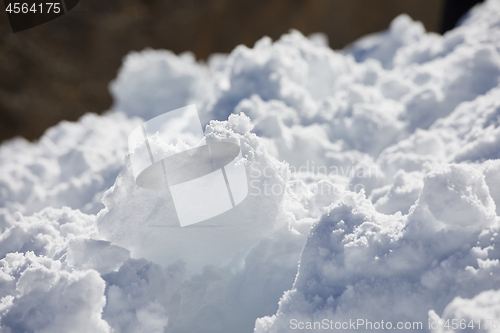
[(19, 7)]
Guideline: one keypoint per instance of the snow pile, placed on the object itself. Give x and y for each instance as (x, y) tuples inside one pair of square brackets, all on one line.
[(151, 82), (72, 165), (358, 263), (152, 231), (39, 295), (374, 177)]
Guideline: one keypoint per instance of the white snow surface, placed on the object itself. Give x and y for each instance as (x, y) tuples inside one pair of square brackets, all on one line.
[(374, 179)]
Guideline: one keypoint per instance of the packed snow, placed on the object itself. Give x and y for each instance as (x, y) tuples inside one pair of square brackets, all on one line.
[(374, 193)]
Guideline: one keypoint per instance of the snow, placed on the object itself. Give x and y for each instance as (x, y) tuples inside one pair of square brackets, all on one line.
[(38, 294), (374, 177)]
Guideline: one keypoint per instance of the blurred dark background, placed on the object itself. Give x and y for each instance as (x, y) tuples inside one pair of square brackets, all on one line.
[(61, 70)]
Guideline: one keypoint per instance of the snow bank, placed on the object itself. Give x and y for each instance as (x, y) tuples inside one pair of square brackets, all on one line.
[(358, 263), (72, 165), (151, 82), (39, 295), (374, 170)]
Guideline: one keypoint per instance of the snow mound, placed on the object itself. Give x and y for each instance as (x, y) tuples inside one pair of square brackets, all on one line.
[(39, 295), (374, 177)]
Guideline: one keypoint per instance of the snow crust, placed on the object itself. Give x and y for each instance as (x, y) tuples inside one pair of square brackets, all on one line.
[(374, 179)]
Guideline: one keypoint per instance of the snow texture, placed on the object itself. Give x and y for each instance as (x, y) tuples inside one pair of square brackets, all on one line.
[(374, 192)]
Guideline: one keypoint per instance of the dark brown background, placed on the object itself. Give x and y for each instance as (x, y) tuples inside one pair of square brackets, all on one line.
[(61, 70)]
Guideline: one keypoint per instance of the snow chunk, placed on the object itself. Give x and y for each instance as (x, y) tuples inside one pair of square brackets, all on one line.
[(457, 195), (38, 295), (151, 82)]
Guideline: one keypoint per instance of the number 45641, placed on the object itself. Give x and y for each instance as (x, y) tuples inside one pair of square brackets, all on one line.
[(25, 8)]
